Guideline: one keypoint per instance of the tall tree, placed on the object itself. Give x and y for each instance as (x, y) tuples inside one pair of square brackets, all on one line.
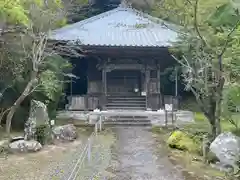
[(25, 49), (202, 49)]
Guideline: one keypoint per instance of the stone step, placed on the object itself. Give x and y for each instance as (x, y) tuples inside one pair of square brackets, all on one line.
[(126, 98), (126, 108), (126, 101), (128, 122), (126, 104), (114, 123), (128, 117), (123, 119)]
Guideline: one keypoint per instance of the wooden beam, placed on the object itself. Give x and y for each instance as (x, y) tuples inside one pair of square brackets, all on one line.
[(111, 67)]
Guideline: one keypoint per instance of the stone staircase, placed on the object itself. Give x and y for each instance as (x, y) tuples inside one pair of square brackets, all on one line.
[(127, 120), (126, 103)]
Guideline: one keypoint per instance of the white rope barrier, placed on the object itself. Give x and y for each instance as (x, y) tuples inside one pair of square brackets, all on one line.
[(87, 151)]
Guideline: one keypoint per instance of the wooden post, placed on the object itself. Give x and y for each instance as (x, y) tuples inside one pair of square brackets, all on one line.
[(104, 85), (147, 78), (159, 86), (176, 82)]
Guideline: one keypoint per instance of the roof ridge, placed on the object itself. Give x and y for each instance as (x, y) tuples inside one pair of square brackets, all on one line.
[(153, 19), (87, 20)]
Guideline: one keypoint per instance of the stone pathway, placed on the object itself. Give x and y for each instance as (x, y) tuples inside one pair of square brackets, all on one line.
[(134, 157)]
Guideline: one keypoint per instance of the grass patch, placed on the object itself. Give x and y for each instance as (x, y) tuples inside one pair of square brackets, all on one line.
[(201, 125), (190, 162), (100, 154), (193, 166), (199, 117)]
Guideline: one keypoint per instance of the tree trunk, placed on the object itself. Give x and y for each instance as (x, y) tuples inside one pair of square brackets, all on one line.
[(3, 114), (212, 115), (18, 102), (218, 117), (213, 131), (219, 104)]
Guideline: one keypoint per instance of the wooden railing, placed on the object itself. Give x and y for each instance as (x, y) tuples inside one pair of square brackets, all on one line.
[(154, 101), (85, 102)]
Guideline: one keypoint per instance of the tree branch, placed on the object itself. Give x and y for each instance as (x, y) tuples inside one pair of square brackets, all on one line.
[(179, 61), (196, 23), (228, 38), (199, 101)]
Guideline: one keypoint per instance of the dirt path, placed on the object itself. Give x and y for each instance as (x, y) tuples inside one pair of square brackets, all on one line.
[(134, 157)]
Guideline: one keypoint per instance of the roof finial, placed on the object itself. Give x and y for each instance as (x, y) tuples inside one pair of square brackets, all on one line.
[(125, 4)]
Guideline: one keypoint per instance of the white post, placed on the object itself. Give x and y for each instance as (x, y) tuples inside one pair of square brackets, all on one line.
[(100, 123), (96, 127), (166, 117)]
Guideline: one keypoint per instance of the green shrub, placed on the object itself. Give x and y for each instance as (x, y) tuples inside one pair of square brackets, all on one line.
[(198, 116), (183, 141), (43, 134)]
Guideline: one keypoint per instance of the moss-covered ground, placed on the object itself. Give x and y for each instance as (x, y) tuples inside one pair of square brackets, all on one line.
[(184, 146)]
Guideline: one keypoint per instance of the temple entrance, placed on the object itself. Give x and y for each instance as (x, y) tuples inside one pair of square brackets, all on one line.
[(124, 82)]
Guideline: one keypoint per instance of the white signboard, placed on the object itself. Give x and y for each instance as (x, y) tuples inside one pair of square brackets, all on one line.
[(52, 122), (143, 93)]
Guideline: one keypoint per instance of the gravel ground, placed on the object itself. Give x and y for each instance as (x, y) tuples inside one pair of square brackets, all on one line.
[(52, 162), (36, 166), (134, 158)]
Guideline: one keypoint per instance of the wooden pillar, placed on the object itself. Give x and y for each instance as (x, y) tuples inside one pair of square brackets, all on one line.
[(104, 82), (175, 104), (159, 86), (104, 86), (176, 82), (147, 79)]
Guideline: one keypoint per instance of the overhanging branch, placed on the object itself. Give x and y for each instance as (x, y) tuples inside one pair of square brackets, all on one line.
[(228, 38), (196, 23)]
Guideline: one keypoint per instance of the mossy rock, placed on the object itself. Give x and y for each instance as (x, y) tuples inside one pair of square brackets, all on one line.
[(182, 141)]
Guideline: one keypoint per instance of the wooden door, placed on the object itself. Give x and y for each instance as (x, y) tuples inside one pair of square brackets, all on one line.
[(124, 82)]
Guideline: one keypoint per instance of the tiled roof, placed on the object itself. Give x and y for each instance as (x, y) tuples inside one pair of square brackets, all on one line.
[(118, 27)]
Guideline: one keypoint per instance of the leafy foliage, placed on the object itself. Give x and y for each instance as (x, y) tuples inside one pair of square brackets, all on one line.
[(52, 83), (23, 22), (207, 49), (52, 78), (231, 104)]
